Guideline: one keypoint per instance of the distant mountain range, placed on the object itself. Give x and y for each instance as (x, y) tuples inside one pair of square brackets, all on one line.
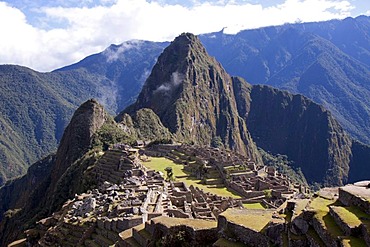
[(329, 62), (319, 60)]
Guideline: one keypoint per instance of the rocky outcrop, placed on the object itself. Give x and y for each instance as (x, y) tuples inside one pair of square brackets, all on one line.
[(38, 194), (193, 97), (87, 119), (149, 126)]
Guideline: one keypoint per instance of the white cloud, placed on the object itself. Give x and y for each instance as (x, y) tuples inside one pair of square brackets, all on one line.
[(112, 54), (90, 30), (176, 79)]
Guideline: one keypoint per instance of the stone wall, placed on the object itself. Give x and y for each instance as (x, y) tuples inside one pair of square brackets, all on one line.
[(348, 195), (241, 233), (324, 234)]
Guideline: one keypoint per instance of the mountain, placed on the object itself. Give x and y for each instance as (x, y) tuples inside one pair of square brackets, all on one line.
[(193, 96), (34, 113), (123, 68), (319, 60), (188, 97), (36, 107), (53, 180), (37, 194), (199, 102), (283, 123), (328, 62)]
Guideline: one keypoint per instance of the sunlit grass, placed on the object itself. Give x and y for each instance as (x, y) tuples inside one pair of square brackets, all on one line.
[(253, 220), (160, 164), (255, 205), (194, 223), (321, 207), (349, 218)]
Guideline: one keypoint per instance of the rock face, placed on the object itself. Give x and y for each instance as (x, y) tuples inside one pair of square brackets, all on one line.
[(35, 195), (283, 123), (200, 103), (194, 98), (77, 138)]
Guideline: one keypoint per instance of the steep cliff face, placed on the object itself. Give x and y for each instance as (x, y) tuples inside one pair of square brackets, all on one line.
[(283, 123), (360, 162), (193, 96), (39, 192), (77, 138)]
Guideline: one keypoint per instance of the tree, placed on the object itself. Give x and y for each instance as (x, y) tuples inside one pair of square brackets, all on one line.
[(169, 173)]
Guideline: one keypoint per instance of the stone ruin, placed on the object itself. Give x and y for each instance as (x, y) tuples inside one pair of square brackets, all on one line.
[(224, 168), (134, 206), (127, 195)]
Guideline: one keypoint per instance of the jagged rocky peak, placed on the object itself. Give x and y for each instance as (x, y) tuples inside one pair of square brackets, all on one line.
[(193, 96), (170, 73), (77, 137)]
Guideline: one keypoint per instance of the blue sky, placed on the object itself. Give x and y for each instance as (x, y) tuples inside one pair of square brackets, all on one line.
[(45, 35)]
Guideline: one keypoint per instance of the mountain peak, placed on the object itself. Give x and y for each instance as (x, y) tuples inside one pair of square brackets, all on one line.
[(193, 96), (86, 120), (171, 71), (186, 37)]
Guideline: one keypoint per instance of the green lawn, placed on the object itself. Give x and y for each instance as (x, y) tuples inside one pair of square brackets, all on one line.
[(255, 205), (256, 220), (362, 216), (160, 163), (196, 224)]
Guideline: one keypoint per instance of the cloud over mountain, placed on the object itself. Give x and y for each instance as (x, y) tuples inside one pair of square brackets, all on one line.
[(63, 35)]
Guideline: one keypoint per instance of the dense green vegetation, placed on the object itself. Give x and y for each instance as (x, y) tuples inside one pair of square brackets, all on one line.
[(284, 166), (190, 93), (110, 133), (292, 125), (33, 116)]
